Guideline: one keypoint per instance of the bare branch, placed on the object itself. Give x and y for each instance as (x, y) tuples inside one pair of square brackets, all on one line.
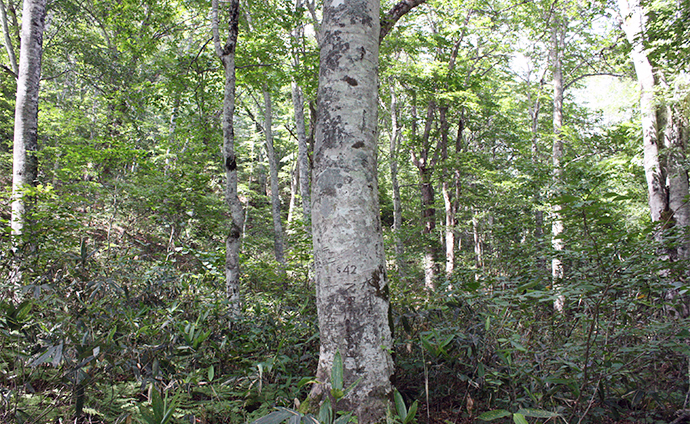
[(396, 12)]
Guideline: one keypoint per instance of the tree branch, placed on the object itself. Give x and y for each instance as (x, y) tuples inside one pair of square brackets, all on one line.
[(579, 77), (396, 12)]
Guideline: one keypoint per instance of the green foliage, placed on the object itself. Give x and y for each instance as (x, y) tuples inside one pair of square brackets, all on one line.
[(519, 416), (402, 414), (326, 414), (161, 410)]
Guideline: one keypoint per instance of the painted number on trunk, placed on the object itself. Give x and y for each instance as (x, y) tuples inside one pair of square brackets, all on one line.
[(349, 269)]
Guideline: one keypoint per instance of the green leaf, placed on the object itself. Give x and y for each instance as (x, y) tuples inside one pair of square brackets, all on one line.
[(325, 412), (411, 413), (537, 413), (308, 419), (211, 373), (494, 415), (343, 419), (351, 386), (275, 417), (337, 372), (519, 419), (400, 407)]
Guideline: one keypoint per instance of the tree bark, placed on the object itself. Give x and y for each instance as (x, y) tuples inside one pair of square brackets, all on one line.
[(8, 39), (395, 185), (677, 139), (278, 238), (633, 20), (303, 166), (425, 166), (557, 44), (233, 241), (351, 283), (25, 162)]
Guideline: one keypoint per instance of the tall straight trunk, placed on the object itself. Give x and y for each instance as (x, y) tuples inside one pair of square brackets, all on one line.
[(395, 185), (448, 196), (633, 21), (278, 238), (425, 166), (25, 162), (534, 110), (233, 241), (429, 225), (8, 39), (478, 245), (677, 134), (294, 187), (303, 166), (352, 293), (557, 44)]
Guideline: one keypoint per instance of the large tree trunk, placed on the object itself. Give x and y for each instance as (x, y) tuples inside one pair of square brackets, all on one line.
[(278, 238), (25, 162), (633, 19), (351, 283), (557, 44), (233, 241)]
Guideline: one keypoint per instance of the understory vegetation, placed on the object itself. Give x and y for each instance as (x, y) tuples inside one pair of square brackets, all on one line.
[(113, 305), (113, 313)]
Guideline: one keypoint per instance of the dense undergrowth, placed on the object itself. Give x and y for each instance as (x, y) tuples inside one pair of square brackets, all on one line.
[(121, 301), (98, 328)]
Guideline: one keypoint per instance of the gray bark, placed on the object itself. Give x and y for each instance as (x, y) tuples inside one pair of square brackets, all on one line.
[(351, 282), (294, 186), (8, 39), (303, 166), (397, 201), (676, 134), (633, 21), (25, 163), (278, 237), (302, 152), (233, 241), (425, 166), (557, 44)]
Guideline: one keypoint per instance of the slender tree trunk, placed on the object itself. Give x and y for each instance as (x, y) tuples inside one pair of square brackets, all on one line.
[(303, 167), (302, 152), (8, 39), (279, 243), (351, 284), (447, 193), (294, 188), (478, 246), (557, 44), (677, 139), (397, 201), (25, 162), (425, 167), (429, 225), (233, 241)]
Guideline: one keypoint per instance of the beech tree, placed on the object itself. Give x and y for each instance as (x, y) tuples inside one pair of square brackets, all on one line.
[(662, 131), (233, 241), (25, 162), (351, 284)]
